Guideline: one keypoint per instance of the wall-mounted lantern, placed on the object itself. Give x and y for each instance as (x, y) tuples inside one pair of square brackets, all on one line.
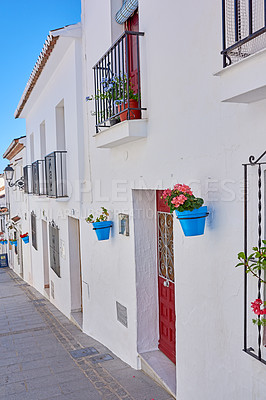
[(9, 174)]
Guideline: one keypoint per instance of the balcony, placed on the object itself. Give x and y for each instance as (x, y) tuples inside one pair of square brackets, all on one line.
[(27, 173), (244, 29), (55, 173), (117, 94), (243, 79), (39, 186)]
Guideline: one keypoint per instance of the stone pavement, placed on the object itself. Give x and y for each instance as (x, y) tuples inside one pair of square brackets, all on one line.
[(44, 356)]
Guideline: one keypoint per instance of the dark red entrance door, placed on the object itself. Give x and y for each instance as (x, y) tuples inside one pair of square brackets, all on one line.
[(132, 24), (166, 278)]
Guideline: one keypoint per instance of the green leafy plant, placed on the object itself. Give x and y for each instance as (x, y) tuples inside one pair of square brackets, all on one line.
[(254, 263), (103, 217), (181, 198), (115, 89)]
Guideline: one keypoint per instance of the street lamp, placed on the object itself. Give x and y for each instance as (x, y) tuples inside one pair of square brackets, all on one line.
[(9, 173)]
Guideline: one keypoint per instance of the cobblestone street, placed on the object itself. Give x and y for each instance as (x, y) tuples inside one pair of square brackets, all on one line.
[(45, 356)]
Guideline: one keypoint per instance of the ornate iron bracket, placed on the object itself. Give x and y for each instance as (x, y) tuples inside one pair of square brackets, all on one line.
[(253, 161)]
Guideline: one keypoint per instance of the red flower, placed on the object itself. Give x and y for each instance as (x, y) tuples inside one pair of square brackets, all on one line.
[(256, 307)]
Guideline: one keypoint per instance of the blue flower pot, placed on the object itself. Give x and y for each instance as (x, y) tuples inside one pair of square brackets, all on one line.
[(102, 229), (193, 222), (15, 243), (26, 239)]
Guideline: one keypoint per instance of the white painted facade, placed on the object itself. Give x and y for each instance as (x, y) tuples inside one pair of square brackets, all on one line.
[(16, 222), (2, 191), (200, 125), (54, 122)]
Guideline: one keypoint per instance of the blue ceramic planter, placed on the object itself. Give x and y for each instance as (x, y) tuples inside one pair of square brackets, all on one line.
[(193, 222), (102, 229), (26, 239)]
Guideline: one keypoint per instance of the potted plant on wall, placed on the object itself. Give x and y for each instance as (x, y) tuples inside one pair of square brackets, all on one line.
[(25, 237), (119, 95), (188, 208), (126, 98), (101, 225)]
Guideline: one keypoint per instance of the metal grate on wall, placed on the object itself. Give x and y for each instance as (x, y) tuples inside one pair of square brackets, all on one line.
[(54, 247), (244, 31), (254, 233), (33, 230)]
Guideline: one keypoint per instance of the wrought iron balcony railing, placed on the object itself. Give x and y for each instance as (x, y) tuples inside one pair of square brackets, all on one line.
[(117, 79), (55, 172), (27, 173), (39, 186), (244, 29)]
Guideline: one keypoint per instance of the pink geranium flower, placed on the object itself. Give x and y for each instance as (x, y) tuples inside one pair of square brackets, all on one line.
[(178, 200), (183, 188), (166, 193)]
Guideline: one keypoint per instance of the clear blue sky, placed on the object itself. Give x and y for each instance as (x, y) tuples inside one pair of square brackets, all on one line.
[(24, 28)]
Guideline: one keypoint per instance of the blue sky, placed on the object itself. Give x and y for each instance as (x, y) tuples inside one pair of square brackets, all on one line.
[(24, 28)]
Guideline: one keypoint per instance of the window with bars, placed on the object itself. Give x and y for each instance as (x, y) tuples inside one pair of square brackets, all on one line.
[(244, 29), (54, 247), (16, 238), (38, 178), (55, 174), (27, 173), (254, 233), (33, 230), (117, 82)]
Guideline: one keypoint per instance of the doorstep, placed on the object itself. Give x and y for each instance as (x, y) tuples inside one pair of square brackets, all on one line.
[(160, 369)]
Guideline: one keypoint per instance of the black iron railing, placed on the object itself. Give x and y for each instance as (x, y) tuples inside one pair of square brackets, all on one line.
[(27, 174), (252, 184), (55, 173), (39, 186), (243, 29), (117, 79)]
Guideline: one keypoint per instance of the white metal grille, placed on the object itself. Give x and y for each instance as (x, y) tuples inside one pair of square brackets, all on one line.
[(254, 45)]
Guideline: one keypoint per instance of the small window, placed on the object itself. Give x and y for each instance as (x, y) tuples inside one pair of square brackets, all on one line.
[(15, 238), (54, 248), (33, 230)]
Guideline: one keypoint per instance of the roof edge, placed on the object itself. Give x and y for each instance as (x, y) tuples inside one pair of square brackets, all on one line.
[(36, 72), (14, 148), (74, 31)]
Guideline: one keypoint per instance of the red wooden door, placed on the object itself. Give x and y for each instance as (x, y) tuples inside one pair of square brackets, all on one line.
[(166, 278), (132, 24)]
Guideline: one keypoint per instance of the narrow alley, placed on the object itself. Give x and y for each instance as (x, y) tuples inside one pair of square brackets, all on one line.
[(45, 356)]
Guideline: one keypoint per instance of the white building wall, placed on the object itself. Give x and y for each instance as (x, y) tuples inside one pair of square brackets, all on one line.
[(59, 84), (16, 202), (192, 138)]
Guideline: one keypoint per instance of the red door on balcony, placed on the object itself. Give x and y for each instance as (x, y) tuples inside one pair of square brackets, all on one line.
[(166, 278), (132, 24)]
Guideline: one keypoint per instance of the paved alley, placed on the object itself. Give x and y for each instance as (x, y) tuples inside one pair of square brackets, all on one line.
[(45, 356)]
